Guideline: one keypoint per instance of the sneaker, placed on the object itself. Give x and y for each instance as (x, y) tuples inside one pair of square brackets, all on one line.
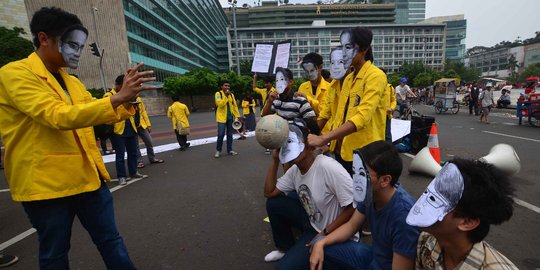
[(217, 154), (273, 256), (7, 260), (122, 181), (138, 176), (267, 151), (233, 153)]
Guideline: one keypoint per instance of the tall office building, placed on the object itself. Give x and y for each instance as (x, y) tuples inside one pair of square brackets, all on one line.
[(407, 11), (170, 36), (270, 14), (456, 32), (393, 44)]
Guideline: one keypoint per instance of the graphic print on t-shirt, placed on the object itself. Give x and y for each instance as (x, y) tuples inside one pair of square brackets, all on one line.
[(307, 201)]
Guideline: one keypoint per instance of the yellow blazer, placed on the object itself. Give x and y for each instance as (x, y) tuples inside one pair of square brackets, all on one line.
[(264, 93), (246, 104), (221, 102), (121, 125), (50, 148), (367, 99), (316, 101), (178, 112)]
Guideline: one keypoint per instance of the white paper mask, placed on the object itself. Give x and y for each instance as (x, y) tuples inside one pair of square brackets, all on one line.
[(312, 72), (349, 50), (441, 197), (71, 47), (360, 177), (281, 82), (293, 146), (337, 65)]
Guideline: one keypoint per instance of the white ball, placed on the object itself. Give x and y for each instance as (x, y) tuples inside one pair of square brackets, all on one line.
[(271, 131)]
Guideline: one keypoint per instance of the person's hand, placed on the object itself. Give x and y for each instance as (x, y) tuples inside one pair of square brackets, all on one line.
[(133, 84), (272, 96), (299, 94), (316, 141), (316, 258), (275, 154), (149, 129), (389, 110), (255, 75)]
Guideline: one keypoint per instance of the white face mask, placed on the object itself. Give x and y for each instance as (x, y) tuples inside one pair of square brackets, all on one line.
[(337, 65), (281, 82), (312, 72), (71, 47), (349, 50)]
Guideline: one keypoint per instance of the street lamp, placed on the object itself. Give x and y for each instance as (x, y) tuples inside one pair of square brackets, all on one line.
[(98, 52), (233, 5)]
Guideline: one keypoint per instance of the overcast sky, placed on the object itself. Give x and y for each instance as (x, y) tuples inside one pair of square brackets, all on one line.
[(488, 21)]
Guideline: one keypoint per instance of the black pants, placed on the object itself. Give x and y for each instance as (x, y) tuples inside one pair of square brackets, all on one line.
[(182, 139), (473, 104)]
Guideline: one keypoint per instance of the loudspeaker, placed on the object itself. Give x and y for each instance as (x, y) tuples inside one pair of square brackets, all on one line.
[(424, 163), (237, 124), (504, 158)]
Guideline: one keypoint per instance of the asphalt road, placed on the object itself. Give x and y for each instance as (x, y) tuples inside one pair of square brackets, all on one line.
[(198, 212)]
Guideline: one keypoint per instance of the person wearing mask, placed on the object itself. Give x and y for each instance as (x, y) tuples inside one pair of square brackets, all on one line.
[(321, 201), (361, 109), (226, 114), (314, 90), (455, 213), (178, 112), (60, 174)]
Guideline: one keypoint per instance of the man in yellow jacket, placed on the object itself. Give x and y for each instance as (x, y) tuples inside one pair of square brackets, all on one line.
[(125, 140), (143, 130), (178, 112), (226, 113), (267, 87), (53, 165)]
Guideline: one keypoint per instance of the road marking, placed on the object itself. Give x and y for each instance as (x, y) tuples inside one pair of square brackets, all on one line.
[(525, 204), (511, 136), (17, 238), (111, 158)]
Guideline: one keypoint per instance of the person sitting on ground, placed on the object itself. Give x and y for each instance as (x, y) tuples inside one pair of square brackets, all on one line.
[(316, 182), (455, 213), (393, 240), (504, 99)]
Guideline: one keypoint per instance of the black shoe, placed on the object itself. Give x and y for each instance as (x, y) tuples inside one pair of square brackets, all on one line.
[(7, 260)]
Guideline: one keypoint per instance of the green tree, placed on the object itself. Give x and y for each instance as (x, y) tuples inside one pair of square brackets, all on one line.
[(423, 79), (394, 78), (532, 70), (96, 92), (197, 82), (451, 74), (12, 46), (410, 70), (245, 67)]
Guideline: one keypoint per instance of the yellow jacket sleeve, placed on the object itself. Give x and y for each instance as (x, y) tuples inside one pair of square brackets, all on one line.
[(374, 86)]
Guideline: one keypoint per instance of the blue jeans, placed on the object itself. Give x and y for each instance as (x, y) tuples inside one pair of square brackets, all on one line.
[(221, 133), (286, 212), (347, 255), (53, 220), (121, 145)]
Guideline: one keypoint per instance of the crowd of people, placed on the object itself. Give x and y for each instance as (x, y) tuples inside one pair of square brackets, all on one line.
[(339, 173)]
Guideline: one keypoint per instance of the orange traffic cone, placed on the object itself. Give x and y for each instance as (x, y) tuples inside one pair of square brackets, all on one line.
[(433, 143)]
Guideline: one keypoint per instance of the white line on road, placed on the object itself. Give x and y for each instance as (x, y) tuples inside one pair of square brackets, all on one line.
[(525, 204), (111, 158), (511, 136)]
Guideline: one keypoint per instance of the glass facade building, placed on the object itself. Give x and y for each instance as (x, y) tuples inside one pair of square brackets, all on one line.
[(456, 32), (173, 37), (407, 11), (393, 45)]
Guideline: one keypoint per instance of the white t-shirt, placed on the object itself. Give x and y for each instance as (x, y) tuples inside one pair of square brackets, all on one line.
[(324, 191), (403, 90)]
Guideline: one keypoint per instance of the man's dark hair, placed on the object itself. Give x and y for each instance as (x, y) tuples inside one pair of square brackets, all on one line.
[(119, 80), (268, 79), (175, 98), (286, 72), (362, 37), (325, 74), (487, 195), (222, 82), (307, 126), (54, 22), (314, 58), (384, 159)]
